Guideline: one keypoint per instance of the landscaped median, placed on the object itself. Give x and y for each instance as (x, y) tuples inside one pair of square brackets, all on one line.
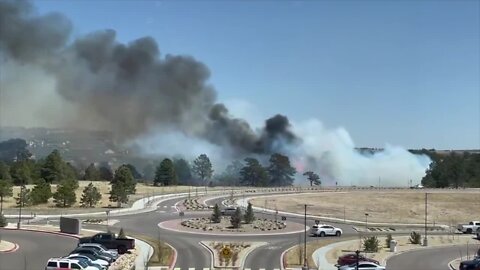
[(323, 254), (6, 246)]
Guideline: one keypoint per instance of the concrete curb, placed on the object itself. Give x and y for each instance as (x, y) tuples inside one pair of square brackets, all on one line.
[(211, 254), (13, 249), (450, 264)]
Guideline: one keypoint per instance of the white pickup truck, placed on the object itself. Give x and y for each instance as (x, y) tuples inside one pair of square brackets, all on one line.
[(472, 227)]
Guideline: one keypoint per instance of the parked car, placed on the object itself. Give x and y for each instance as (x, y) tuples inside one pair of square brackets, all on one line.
[(471, 227), (324, 230), (68, 264), (94, 253), (362, 266), (100, 247), (110, 241), (90, 259), (470, 265), (351, 258)]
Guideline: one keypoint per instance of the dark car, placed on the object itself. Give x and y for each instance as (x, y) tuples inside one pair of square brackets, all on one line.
[(110, 241), (470, 265), (93, 252), (351, 258)]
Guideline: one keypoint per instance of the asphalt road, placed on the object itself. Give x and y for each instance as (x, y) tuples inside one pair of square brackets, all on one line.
[(35, 248), (429, 259)]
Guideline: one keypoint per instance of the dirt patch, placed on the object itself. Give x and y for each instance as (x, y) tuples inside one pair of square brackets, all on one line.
[(447, 207)]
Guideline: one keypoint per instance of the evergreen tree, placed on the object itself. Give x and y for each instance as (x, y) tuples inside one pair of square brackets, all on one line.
[(202, 167), (216, 216), (253, 174), (105, 173), (41, 192), (165, 174), (280, 171), (90, 196), (249, 215), (23, 197), (4, 172), (92, 173), (183, 170), (122, 185), (53, 168), (6, 190), (65, 195), (133, 170), (121, 234), (236, 218), (20, 173)]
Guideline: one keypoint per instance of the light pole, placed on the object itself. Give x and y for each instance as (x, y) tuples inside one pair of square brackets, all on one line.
[(425, 240), (108, 223), (305, 261)]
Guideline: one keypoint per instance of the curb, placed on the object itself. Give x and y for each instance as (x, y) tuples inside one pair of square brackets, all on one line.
[(211, 254), (42, 231), (450, 264), (174, 259), (15, 248), (283, 262)]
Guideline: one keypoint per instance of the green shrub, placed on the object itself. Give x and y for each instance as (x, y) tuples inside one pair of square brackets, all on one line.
[(370, 244), (415, 238), (216, 216)]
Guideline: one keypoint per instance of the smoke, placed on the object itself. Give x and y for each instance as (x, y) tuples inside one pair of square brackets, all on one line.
[(158, 101)]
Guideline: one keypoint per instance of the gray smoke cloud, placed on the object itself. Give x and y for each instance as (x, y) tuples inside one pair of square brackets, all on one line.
[(127, 88)]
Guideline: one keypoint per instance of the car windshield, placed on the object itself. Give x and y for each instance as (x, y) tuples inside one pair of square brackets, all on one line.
[(239, 134)]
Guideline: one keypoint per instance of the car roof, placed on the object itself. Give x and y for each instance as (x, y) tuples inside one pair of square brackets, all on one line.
[(62, 260)]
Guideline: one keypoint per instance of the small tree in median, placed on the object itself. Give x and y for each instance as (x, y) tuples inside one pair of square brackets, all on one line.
[(91, 196), (370, 244), (415, 238), (216, 214), (249, 215), (236, 219), (121, 234)]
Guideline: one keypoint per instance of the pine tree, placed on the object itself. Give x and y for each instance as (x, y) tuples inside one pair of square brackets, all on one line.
[(6, 190), (65, 194), (122, 185), (280, 171), (121, 234), (203, 168), (90, 196), (216, 214), (249, 215), (165, 174), (41, 192), (92, 173), (236, 219), (53, 168)]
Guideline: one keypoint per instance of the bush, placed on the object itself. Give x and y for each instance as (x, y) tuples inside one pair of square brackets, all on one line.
[(370, 244), (236, 219), (387, 241), (3, 221), (216, 214), (249, 215), (415, 238)]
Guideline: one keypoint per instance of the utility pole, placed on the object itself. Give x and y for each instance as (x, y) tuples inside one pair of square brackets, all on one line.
[(21, 204), (305, 262), (425, 240)]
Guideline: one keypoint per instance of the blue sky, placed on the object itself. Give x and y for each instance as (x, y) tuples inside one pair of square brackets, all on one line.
[(399, 72)]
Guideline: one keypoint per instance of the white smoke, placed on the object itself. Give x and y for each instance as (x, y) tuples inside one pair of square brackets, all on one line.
[(334, 158)]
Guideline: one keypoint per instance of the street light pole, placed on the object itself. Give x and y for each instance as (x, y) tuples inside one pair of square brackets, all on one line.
[(425, 240), (305, 262), (366, 222)]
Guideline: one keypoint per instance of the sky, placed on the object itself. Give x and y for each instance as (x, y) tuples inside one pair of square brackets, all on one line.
[(405, 73)]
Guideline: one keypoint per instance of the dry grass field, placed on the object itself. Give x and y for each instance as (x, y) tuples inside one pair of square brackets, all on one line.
[(104, 188), (448, 207)]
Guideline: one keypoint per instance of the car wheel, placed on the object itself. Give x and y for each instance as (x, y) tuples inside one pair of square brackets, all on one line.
[(338, 233), (322, 234), (469, 231), (122, 249)]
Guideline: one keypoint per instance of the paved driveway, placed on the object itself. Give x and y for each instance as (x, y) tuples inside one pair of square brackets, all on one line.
[(35, 248)]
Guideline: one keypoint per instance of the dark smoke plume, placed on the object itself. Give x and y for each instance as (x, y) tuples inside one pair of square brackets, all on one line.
[(128, 88)]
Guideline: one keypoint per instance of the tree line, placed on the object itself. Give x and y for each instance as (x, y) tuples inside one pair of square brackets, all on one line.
[(453, 170)]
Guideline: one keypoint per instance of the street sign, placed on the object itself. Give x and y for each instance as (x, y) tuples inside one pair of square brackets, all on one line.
[(284, 218), (317, 221), (226, 252)]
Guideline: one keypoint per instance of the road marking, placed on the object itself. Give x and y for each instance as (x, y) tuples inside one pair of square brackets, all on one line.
[(206, 268), (261, 269), (191, 268), (177, 268), (246, 269), (165, 206)]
